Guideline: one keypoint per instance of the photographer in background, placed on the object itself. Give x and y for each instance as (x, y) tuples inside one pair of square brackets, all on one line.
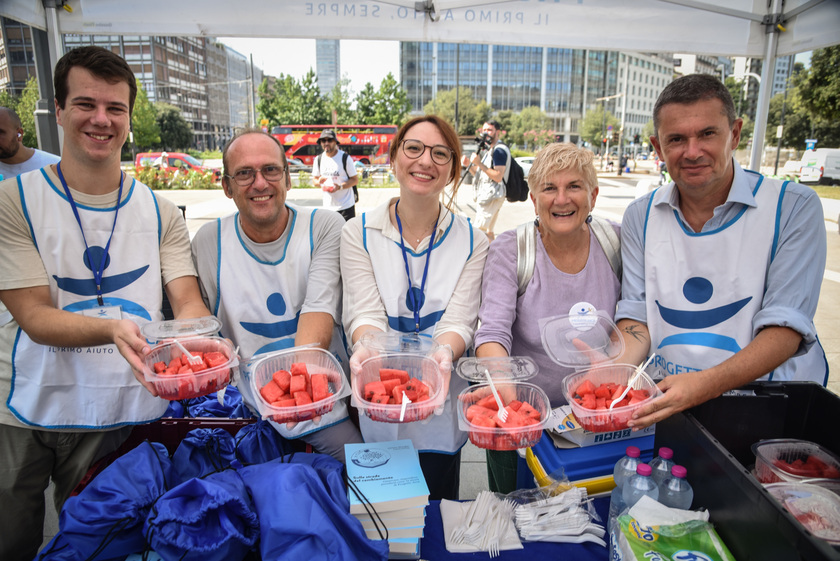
[(491, 172)]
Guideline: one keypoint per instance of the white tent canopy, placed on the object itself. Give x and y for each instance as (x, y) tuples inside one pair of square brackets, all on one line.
[(755, 28)]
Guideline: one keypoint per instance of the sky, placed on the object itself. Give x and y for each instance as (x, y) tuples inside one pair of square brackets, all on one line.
[(361, 61)]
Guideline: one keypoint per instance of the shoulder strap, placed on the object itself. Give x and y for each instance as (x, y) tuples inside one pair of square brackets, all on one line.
[(318, 161), (526, 255), (344, 157), (505, 147), (606, 236)]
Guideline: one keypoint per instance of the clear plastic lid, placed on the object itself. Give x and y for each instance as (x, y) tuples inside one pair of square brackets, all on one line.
[(174, 328), (516, 368), (581, 340), (397, 342), (816, 508)]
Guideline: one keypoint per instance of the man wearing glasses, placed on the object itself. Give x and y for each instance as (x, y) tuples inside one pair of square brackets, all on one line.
[(335, 173), (269, 272)]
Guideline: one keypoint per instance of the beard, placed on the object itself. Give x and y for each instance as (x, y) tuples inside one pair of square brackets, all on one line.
[(6, 153)]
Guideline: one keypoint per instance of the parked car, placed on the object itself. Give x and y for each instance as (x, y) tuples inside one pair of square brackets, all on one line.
[(525, 162), (821, 166), (296, 165), (173, 160)]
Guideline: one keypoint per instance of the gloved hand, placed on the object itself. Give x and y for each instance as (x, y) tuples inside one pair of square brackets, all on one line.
[(443, 356)]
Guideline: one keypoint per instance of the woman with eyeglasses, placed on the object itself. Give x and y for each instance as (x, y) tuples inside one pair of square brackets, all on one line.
[(575, 264), (412, 266)]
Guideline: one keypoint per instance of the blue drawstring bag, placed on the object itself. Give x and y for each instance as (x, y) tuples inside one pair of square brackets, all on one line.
[(259, 442), (202, 452), (175, 410), (58, 549), (299, 518), (105, 520), (208, 406), (331, 473), (204, 519)]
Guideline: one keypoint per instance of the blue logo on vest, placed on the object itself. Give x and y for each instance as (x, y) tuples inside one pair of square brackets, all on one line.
[(87, 286), (698, 290), (284, 331)]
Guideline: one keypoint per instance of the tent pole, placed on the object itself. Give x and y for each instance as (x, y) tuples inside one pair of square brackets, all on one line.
[(772, 23)]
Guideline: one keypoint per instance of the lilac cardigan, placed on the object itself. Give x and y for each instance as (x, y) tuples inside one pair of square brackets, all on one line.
[(515, 322)]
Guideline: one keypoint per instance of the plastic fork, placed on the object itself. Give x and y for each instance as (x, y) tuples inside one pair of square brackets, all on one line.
[(192, 359), (639, 370), (503, 414)]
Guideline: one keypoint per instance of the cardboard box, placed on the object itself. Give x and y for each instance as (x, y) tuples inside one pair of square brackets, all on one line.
[(713, 441), (570, 430)]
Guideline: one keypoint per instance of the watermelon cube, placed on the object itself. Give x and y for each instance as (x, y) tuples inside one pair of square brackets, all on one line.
[(283, 379)]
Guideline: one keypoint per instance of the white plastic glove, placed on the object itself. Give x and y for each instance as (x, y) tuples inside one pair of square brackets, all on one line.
[(443, 356)]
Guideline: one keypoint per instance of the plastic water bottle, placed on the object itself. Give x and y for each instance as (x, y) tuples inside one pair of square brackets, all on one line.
[(639, 485), (662, 464), (626, 466), (676, 491), (624, 469)]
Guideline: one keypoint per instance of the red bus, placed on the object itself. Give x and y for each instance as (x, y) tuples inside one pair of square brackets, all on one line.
[(368, 144)]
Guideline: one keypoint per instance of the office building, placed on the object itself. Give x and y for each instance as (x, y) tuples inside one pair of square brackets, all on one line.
[(327, 64), (17, 56), (564, 83)]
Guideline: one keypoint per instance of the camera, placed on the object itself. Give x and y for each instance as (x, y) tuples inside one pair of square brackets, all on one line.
[(483, 141)]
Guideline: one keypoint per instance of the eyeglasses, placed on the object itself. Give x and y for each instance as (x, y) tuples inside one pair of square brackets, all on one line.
[(413, 149), (246, 177)]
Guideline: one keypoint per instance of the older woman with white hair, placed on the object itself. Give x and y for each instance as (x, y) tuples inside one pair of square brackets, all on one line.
[(570, 269)]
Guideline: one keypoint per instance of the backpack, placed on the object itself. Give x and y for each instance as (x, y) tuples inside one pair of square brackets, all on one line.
[(344, 157), (516, 188), (526, 249)]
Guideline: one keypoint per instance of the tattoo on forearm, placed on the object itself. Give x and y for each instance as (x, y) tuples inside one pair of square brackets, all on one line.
[(636, 333)]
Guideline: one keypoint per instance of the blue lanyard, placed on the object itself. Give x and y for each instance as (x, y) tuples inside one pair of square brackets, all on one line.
[(415, 304), (97, 272)]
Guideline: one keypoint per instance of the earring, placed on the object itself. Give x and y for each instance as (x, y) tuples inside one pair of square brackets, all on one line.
[(537, 221), (589, 219)]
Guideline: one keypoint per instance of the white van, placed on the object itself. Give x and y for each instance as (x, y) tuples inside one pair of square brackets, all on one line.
[(821, 166)]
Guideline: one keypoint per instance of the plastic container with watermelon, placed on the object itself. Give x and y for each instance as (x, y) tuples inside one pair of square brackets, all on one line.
[(590, 392), (166, 366), (816, 508), (788, 459), (528, 407), (296, 384), (388, 378)]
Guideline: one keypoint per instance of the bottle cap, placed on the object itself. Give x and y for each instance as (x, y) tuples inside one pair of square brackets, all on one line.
[(666, 453), (679, 471), (633, 451), (643, 469)]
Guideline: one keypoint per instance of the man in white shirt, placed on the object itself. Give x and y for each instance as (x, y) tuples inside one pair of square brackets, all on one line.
[(15, 158), (335, 173)]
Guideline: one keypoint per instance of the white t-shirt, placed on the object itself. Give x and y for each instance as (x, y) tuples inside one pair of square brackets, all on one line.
[(38, 160), (333, 168)]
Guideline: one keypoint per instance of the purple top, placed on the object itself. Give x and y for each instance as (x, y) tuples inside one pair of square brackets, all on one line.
[(515, 322)]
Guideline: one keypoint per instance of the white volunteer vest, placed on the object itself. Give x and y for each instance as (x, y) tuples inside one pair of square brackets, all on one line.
[(449, 256), (259, 302), (88, 387), (709, 286)]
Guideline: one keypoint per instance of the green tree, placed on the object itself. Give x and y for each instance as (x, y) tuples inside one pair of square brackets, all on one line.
[(339, 100), (144, 121), (366, 105), (820, 86), (472, 114), (7, 99), (26, 104), (392, 105), (736, 90), (310, 107), (531, 127), (175, 132), (290, 101), (594, 125)]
